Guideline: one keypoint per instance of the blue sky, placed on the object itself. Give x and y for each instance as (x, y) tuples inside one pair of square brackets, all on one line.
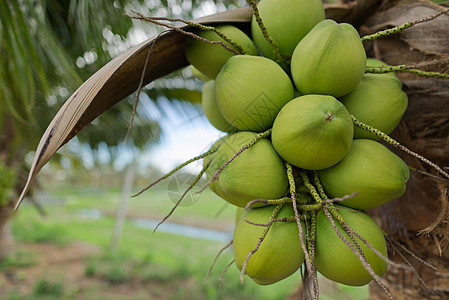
[(186, 133)]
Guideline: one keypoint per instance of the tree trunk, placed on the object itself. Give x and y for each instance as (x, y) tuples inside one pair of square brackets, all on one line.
[(6, 238), (418, 220)]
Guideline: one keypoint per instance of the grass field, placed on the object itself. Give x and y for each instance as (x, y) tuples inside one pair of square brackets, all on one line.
[(145, 265)]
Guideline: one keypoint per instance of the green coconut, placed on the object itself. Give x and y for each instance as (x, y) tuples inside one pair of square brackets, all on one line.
[(257, 173), (208, 159), (313, 132), (198, 74), (329, 60), (377, 101), (239, 212), (210, 58), (287, 22), (369, 168), (251, 90), (336, 261), (211, 110), (279, 255)]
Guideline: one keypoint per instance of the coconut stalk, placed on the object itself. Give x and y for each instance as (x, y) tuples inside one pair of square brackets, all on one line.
[(418, 219)]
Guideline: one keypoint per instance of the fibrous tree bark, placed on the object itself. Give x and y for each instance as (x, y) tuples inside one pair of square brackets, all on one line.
[(418, 220)]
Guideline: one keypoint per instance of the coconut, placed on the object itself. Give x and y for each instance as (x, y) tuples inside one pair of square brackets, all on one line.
[(336, 261), (329, 60), (210, 58), (313, 132), (287, 22), (257, 173), (208, 159), (377, 101), (369, 168), (239, 212), (211, 110), (251, 90), (198, 74), (280, 253)]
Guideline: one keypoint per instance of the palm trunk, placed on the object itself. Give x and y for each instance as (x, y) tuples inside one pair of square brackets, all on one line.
[(418, 220)]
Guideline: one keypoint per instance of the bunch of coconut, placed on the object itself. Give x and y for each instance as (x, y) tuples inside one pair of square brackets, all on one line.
[(300, 81)]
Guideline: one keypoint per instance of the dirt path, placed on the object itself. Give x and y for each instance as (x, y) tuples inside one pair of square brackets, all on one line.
[(60, 272), (45, 262)]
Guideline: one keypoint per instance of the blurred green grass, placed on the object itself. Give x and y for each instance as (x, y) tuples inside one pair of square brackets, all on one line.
[(169, 263), (158, 258)]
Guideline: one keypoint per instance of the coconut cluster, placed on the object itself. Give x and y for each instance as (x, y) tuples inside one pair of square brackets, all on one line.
[(304, 80)]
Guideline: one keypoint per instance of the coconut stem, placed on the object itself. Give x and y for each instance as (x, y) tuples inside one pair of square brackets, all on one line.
[(216, 258), (280, 220), (392, 241), (194, 182), (319, 186), (251, 143), (206, 28), (371, 247), (283, 200), (311, 188), (438, 178), (409, 264), (311, 237), (402, 27), (427, 74), (396, 144), (139, 88), (155, 20), (224, 272), (333, 211), (309, 265), (318, 206), (220, 34), (375, 131), (405, 69), (277, 56), (414, 69), (211, 151)]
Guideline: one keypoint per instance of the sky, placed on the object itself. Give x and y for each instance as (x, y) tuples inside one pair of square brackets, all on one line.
[(186, 134)]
